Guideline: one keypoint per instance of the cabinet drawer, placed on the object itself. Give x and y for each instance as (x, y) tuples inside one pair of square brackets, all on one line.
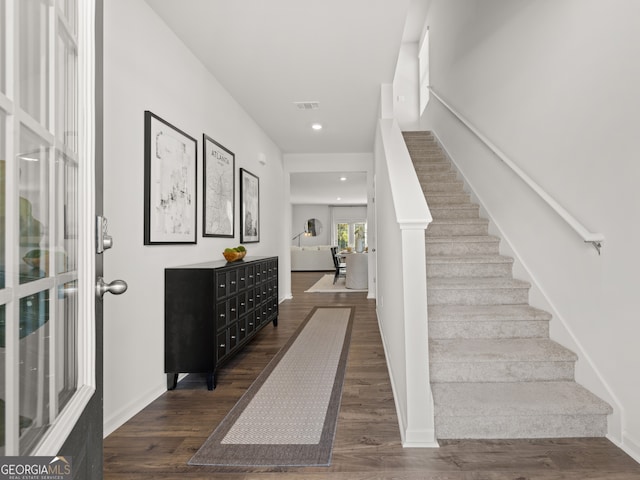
[(251, 322), (258, 317), (273, 269), (251, 299), (242, 329), (222, 345), (222, 315), (233, 336), (241, 301), (272, 309), (232, 308), (250, 275), (258, 296), (242, 277)]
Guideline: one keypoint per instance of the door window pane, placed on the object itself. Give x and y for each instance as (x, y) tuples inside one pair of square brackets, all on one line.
[(34, 368), (66, 122), (34, 62), (66, 354), (66, 214), (34, 206)]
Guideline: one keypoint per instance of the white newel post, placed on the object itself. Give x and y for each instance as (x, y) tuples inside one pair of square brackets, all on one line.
[(420, 431)]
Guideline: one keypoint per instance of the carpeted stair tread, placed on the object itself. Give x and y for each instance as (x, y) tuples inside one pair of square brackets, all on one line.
[(480, 313), (516, 398), (499, 350)]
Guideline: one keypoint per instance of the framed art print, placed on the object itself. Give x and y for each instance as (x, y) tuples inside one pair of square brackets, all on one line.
[(170, 192), (219, 181), (249, 207)]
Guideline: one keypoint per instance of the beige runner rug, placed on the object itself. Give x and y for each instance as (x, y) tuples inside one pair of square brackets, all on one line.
[(288, 415)]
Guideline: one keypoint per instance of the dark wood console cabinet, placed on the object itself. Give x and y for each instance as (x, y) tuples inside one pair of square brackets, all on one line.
[(211, 310)]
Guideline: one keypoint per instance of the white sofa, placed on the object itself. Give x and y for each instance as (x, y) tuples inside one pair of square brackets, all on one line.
[(313, 258)]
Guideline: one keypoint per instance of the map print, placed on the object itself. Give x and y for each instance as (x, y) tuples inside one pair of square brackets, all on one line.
[(219, 190)]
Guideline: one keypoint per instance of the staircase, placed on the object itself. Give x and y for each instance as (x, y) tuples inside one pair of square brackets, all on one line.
[(494, 371)]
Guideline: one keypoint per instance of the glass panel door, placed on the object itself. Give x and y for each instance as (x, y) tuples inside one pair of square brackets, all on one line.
[(39, 220)]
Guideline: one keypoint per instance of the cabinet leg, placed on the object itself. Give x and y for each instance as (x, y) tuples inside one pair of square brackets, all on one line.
[(172, 381), (275, 322), (211, 380)]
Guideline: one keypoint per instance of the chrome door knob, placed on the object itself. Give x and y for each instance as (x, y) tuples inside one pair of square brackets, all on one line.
[(117, 287)]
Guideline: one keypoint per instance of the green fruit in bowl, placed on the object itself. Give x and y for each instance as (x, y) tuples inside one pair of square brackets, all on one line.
[(240, 248)]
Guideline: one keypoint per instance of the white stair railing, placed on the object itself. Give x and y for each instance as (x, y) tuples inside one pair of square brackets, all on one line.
[(594, 239)]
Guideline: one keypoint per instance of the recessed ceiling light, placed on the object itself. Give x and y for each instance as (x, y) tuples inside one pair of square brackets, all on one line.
[(343, 179), (339, 198), (316, 126)]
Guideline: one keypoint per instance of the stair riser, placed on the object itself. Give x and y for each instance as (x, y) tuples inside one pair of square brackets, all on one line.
[(434, 167), (454, 213), (462, 248), (447, 177), (500, 371), (421, 155), (447, 229), (476, 270), (418, 151), (452, 199), (427, 158), (536, 426), (488, 296), (497, 330), (451, 187)]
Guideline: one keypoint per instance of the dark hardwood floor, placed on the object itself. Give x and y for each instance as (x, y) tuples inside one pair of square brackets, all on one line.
[(158, 442)]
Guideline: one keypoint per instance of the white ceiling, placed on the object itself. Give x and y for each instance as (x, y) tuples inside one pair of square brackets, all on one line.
[(269, 54), (326, 188)]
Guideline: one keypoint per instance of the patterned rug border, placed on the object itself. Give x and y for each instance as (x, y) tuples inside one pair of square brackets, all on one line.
[(213, 453)]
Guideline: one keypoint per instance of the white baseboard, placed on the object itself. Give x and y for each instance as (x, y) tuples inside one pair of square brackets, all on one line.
[(631, 446), (121, 416)]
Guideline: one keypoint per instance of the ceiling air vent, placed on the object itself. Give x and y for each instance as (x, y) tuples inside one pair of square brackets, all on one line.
[(307, 105)]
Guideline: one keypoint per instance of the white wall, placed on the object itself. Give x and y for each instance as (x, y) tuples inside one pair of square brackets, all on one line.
[(147, 68), (554, 85), (300, 215), (406, 88)]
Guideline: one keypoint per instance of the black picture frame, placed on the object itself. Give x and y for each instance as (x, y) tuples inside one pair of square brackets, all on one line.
[(170, 186), (219, 189), (249, 207)]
